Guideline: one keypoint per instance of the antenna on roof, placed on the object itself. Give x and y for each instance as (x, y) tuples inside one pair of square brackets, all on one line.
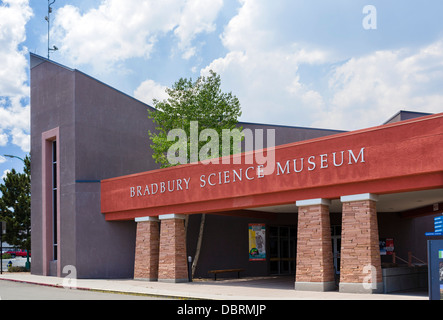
[(47, 18)]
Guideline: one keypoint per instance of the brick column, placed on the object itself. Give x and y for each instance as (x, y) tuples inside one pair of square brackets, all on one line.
[(360, 269), (147, 249), (315, 265), (172, 260)]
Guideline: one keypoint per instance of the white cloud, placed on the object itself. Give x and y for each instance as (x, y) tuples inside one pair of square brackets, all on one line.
[(21, 138), (198, 16), (268, 85), (14, 14), (15, 122), (5, 173), (247, 29), (264, 73), (368, 90), (263, 69), (281, 61), (149, 90), (120, 30), (14, 117), (3, 140)]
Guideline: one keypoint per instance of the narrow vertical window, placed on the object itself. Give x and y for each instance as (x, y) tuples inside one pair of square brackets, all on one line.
[(51, 202), (54, 199)]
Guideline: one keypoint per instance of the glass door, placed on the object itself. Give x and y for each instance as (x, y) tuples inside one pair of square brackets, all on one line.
[(336, 246), (282, 240)]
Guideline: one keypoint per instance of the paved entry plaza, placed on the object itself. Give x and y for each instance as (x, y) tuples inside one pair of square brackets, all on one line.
[(260, 288)]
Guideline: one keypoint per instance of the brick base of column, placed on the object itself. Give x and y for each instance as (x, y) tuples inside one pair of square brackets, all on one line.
[(172, 259), (360, 269), (315, 266), (147, 249)]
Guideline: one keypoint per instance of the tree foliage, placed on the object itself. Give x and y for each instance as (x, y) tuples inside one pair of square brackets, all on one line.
[(201, 101), (15, 206)]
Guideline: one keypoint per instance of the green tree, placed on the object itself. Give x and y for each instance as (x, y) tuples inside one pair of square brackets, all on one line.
[(15, 206), (202, 102), (189, 102)]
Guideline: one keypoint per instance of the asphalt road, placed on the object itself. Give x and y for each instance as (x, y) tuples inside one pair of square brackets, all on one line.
[(10, 290)]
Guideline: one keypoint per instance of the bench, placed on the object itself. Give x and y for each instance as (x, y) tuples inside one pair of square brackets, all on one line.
[(215, 272)]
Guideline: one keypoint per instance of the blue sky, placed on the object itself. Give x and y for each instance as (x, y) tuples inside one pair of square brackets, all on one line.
[(290, 62)]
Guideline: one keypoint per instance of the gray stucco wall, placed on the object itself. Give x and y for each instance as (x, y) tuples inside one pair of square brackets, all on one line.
[(52, 105), (111, 131), (103, 134)]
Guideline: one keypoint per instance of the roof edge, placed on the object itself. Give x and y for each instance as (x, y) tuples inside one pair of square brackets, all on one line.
[(400, 112), (36, 60)]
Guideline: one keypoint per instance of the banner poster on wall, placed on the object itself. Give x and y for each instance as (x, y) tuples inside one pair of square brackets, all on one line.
[(257, 242), (386, 246)]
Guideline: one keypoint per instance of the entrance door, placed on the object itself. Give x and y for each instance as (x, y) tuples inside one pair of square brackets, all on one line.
[(282, 241), (336, 246)]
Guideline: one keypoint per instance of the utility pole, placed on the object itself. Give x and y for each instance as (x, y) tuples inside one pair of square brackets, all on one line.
[(2, 231)]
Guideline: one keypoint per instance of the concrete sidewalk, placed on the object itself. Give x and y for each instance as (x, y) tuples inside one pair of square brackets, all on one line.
[(269, 288)]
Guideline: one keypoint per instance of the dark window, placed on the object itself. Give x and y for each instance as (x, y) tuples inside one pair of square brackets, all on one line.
[(54, 199)]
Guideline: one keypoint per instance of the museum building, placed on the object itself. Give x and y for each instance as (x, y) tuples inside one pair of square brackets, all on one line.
[(332, 209)]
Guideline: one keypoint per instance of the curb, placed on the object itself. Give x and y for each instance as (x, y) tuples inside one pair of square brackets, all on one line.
[(139, 294)]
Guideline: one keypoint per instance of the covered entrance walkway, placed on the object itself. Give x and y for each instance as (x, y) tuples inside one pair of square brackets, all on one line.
[(359, 174)]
